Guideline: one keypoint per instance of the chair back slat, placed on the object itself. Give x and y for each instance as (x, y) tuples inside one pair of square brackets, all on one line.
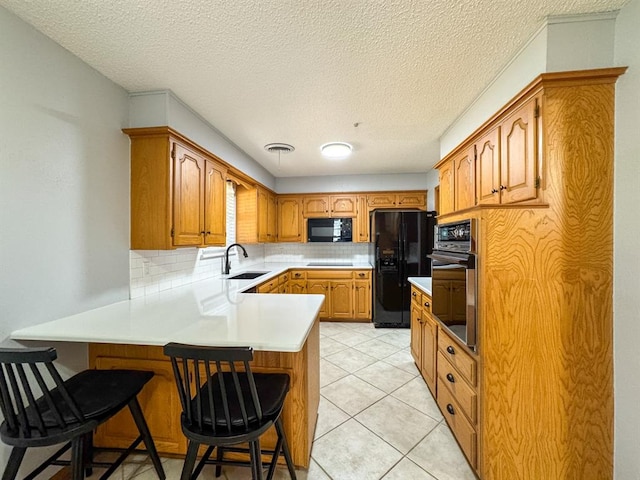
[(239, 394), (20, 410), (253, 390), (36, 415), (6, 403), (198, 398), (209, 384), (224, 395), (64, 393), (53, 407)]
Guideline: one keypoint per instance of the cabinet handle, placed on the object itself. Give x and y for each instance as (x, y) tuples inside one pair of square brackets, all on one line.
[(427, 304), (494, 190), (451, 378), (208, 233), (450, 409), (413, 294), (202, 232), (361, 274), (502, 187), (451, 350)]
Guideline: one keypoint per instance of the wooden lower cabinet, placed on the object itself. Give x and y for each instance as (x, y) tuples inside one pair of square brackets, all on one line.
[(161, 405), (449, 371), (347, 293)]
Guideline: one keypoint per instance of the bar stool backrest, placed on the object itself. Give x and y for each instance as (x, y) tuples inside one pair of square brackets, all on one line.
[(24, 413), (213, 384)]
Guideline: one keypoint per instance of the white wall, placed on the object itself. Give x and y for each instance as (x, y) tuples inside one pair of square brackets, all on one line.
[(64, 187), (561, 43), (627, 246), (160, 108)]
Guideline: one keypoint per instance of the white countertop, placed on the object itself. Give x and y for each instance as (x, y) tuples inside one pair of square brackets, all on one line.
[(209, 312), (423, 283)]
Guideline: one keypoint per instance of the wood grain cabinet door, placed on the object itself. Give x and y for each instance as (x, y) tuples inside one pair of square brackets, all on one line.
[(159, 402), (263, 215), (343, 206), (447, 199), (321, 287), (289, 219), (413, 200), (215, 204), (381, 200), (429, 350), (416, 333), (518, 154), (272, 218), (362, 299), (362, 220), (341, 299), (316, 206), (464, 181), (188, 196), (488, 168)]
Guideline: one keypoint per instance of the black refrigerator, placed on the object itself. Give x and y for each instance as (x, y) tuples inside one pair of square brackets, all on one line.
[(400, 243)]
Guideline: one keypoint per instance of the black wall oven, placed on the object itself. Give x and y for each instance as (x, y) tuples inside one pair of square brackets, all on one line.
[(453, 279)]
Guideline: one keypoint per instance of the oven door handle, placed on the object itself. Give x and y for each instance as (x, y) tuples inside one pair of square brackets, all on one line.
[(467, 261)]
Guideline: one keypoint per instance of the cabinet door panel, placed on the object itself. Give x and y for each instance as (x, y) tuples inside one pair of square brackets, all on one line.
[(362, 220), (416, 334), (418, 200), (321, 287), (488, 168), (429, 350), (464, 181), (447, 200), (159, 402), (263, 216), (518, 159), (188, 203), (316, 206), (289, 219), (362, 299), (215, 206), (343, 206), (341, 299)]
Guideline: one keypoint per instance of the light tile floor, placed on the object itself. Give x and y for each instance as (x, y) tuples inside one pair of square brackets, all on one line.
[(377, 418)]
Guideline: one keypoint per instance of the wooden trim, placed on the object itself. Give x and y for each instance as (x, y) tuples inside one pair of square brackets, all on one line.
[(544, 80)]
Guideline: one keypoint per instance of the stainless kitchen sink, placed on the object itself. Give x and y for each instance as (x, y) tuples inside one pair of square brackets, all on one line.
[(247, 275)]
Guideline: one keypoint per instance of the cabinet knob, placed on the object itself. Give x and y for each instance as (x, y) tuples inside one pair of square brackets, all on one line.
[(502, 187), (494, 190), (413, 294), (208, 233), (451, 350), (451, 378), (361, 274), (450, 409), (202, 232), (427, 304)]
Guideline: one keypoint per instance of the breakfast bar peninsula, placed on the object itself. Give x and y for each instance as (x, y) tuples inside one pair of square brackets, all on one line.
[(282, 329)]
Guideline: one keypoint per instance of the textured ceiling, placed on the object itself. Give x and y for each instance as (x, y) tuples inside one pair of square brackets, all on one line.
[(304, 72)]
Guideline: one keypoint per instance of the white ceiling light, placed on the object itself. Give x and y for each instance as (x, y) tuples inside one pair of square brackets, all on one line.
[(336, 150)]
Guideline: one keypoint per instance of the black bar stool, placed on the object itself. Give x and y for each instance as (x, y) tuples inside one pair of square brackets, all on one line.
[(230, 405), (40, 409)]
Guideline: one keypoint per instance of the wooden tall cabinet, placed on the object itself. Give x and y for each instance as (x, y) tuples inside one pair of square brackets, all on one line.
[(178, 195), (545, 286)]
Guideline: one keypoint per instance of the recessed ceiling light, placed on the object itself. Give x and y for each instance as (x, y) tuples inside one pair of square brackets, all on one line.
[(336, 150)]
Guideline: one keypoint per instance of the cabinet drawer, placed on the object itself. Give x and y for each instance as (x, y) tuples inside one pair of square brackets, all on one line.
[(455, 354), (462, 429), (330, 274), (362, 274), (416, 296), (426, 303), (268, 286), (298, 275), (284, 278), (449, 378)]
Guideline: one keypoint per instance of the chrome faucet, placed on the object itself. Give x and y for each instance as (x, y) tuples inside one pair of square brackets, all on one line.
[(227, 264)]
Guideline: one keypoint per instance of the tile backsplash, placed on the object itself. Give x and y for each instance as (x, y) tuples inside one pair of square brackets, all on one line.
[(152, 271)]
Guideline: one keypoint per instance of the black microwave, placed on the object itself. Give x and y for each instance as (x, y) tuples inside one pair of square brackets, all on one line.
[(329, 230)]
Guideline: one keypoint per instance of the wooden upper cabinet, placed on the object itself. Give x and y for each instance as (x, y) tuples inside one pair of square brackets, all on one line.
[(447, 192), (289, 219), (464, 184), (518, 154), (412, 200), (362, 220), (382, 200), (316, 206), (178, 192), (487, 151), (188, 196), (343, 205), (255, 215), (397, 200), (215, 204)]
